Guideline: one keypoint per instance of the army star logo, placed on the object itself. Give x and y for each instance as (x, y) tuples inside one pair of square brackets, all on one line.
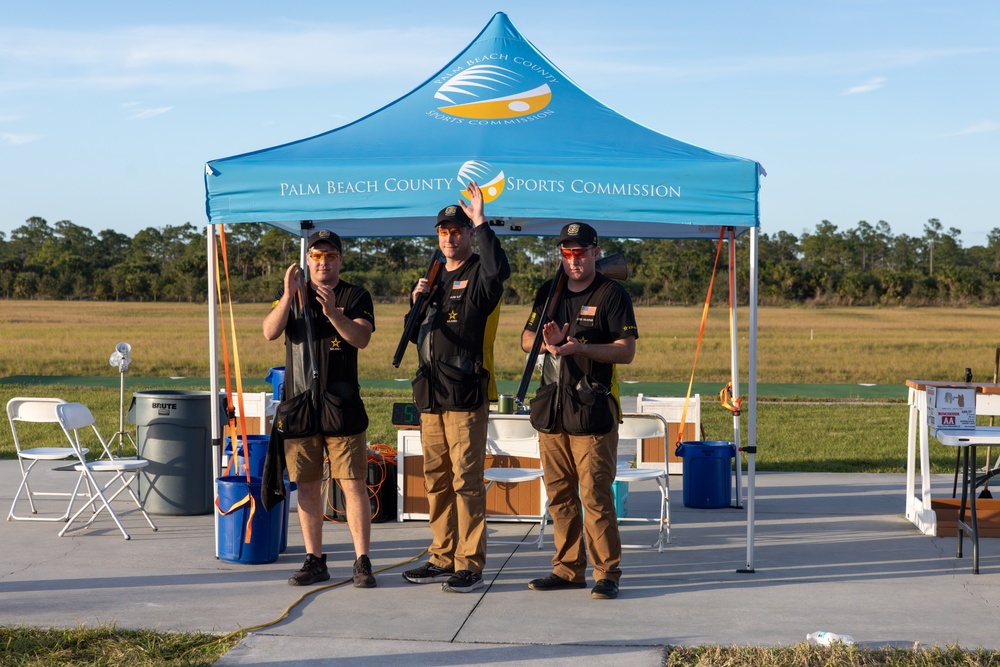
[(335, 344), (583, 339), (453, 316)]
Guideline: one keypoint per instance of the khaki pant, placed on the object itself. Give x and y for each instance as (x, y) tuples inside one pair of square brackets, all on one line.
[(581, 469), (454, 446)]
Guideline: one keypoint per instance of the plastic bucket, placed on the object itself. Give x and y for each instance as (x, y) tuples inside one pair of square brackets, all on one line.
[(257, 449), (708, 473), (265, 538), (276, 376)]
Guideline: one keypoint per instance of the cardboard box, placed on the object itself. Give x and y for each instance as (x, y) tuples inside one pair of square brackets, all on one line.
[(987, 511), (951, 407)]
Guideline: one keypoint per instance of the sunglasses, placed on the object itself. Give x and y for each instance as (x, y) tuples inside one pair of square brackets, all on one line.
[(450, 231), (569, 253), (319, 256)]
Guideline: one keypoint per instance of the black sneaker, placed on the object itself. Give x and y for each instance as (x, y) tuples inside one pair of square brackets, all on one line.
[(313, 570), (428, 574), (463, 581), (363, 577), (605, 589), (554, 582)]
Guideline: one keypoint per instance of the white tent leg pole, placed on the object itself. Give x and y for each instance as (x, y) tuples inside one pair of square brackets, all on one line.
[(734, 364), (752, 402), (213, 373)]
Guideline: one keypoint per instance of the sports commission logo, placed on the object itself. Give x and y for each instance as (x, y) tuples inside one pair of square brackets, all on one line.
[(491, 181), (492, 92)]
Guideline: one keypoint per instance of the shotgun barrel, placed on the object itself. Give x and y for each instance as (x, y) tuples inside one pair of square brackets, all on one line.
[(419, 307)]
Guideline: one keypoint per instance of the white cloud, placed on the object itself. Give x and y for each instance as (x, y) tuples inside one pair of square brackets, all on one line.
[(978, 128), (149, 113), (12, 139), (867, 87), (196, 57)]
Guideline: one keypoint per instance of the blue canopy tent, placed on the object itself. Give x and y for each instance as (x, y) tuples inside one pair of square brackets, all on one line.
[(543, 151)]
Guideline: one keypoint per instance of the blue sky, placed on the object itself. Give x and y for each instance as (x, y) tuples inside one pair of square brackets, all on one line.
[(858, 110)]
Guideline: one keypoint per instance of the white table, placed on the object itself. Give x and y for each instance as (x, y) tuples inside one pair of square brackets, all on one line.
[(409, 446), (968, 440), (918, 506)]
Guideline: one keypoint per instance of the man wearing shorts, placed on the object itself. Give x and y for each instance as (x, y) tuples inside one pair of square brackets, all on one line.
[(343, 320)]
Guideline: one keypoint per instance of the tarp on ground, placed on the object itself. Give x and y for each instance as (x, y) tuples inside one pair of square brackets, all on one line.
[(502, 114)]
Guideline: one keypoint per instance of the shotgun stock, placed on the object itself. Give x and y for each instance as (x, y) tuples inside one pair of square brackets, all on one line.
[(419, 307), (612, 266)]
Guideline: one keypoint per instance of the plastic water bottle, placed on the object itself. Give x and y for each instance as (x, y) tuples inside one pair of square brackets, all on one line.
[(824, 638)]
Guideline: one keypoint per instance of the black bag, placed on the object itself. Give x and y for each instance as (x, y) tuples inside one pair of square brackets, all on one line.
[(544, 407), (296, 417), (342, 412), (590, 411)]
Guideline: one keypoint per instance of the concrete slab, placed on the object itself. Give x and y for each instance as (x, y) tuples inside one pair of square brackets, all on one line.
[(831, 552)]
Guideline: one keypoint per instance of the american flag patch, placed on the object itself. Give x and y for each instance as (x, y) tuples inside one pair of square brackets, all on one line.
[(588, 311), (459, 284)]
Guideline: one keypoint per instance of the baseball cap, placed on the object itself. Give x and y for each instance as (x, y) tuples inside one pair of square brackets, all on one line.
[(328, 236), (454, 214), (580, 232)]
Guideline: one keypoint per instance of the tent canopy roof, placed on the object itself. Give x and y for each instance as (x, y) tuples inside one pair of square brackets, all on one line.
[(500, 113)]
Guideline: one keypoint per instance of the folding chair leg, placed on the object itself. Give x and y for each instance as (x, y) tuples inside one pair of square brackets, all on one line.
[(29, 494), (106, 504)]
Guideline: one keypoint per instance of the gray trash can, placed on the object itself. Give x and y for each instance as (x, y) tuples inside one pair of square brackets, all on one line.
[(174, 433)]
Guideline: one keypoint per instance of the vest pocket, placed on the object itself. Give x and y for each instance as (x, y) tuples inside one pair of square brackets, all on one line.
[(589, 411), (342, 412), (543, 408), (423, 396), (295, 417), (461, 384)]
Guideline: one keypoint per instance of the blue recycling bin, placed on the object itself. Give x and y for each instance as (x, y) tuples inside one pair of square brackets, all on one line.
[(257, 452), (235, 520), (708, 473)]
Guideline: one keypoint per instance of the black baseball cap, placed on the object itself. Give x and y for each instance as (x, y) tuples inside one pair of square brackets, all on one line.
[(454, 214), (329, 237), (580, 232)]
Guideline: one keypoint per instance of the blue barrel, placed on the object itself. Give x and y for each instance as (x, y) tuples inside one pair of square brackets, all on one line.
[(265, 539), (257, 446), (708, 473), (276, 376)]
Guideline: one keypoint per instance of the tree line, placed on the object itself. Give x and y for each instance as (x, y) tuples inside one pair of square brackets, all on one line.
[(864, 265)]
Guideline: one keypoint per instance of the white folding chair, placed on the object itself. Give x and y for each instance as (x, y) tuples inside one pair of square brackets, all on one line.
[(513, 435), (72, 418), (38, 410), (636, 427), (670, 408)]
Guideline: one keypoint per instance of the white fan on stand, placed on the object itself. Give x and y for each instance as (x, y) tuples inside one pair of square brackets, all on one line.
[(120, 359)]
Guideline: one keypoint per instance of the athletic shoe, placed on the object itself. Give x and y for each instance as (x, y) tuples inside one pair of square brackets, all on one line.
[(554, 582), (428, 574), (313, 570), (363, 577), (605, 589), (463, 581)]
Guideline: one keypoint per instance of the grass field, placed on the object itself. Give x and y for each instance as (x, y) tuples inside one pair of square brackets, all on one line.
[(796, 345)]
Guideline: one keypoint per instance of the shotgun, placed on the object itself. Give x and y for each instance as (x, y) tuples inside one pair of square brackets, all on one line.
[(612, 266), (419, 307), (310, 342)]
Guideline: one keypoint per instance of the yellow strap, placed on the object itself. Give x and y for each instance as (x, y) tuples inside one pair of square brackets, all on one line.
[(701, 334), (240, 439)]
